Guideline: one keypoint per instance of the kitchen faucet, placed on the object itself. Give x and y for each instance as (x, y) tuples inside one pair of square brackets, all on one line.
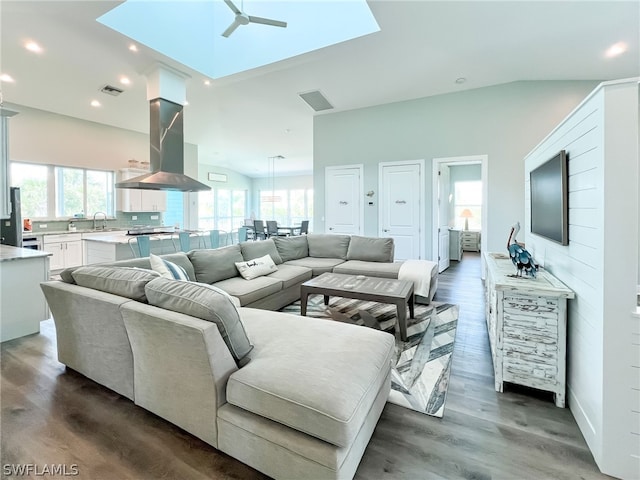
[(104, 220)]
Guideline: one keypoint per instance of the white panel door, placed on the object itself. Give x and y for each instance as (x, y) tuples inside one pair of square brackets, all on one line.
[(400, 208), (444, 195), (343, 200)]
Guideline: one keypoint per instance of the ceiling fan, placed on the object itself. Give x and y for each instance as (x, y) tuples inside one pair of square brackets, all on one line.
[(244, 19)]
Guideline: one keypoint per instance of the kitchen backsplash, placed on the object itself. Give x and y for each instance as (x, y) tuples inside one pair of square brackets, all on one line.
[(124, 220)]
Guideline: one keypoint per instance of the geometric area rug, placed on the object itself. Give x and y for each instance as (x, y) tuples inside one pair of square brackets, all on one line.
[(420, 378)]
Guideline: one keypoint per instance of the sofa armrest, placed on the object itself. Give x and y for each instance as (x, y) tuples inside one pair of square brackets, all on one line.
[(181, 367)]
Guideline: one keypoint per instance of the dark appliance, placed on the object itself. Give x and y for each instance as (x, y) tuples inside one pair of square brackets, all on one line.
[(11, 228), (550, 199)]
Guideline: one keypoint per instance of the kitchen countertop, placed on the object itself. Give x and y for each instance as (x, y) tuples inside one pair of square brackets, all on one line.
[(65, 232), (8, 253)]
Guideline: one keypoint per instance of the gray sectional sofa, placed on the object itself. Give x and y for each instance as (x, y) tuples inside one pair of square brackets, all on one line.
[(293, 397)]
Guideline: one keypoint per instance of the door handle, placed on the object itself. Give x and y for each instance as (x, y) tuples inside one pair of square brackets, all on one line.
[(385, 229), (330, 228)]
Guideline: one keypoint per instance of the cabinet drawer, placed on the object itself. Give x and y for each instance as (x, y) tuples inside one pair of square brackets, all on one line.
[(62, 237), (527, 373)]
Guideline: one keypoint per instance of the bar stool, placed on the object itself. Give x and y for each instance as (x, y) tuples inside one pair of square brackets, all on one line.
[(183, 241), (142, 246)]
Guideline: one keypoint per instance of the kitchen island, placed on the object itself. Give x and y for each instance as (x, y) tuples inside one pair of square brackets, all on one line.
[(113, 246), (22, 304)]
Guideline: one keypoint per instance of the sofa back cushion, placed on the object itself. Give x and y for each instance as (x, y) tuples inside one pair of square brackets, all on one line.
[(370, 249), (292, 248), (123, 281), (323, 245), (179, 258), (206, 302), (251, 250), (213, 265)]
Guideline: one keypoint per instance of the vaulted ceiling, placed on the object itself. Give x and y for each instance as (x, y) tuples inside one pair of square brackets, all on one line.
[(239, 120)]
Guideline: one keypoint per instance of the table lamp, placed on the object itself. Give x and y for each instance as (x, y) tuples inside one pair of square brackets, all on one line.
[(466, 214)]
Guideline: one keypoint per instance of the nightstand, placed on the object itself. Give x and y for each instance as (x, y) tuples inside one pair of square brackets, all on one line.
[(470, 241)]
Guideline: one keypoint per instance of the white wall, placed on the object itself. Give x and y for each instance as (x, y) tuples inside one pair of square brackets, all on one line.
[(503, 122), (44, 137), (601, 265)]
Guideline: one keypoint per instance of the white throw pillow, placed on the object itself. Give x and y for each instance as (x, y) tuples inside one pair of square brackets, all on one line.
[(256, 267), (167, 269)]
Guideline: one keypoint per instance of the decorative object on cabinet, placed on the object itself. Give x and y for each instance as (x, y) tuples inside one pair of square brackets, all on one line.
[(527, 325), (520, 257), (470, 241), (466, 214)]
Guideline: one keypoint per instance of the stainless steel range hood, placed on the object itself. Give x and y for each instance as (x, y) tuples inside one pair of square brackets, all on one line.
[(167, 152)]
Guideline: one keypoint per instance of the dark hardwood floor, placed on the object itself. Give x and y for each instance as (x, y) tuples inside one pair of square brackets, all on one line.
[(54, 416)]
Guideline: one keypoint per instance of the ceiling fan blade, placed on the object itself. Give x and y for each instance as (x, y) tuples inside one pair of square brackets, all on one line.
[(232, 6), (230, 29), (267, 21)]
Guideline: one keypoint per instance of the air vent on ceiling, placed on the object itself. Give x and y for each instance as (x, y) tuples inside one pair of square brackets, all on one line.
[(111, 90), (316, 100)]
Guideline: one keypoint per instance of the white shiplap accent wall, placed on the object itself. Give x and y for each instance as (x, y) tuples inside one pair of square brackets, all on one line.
[(601, 265)]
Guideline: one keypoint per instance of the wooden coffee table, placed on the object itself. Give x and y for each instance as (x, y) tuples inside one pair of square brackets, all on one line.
[(359, 287)]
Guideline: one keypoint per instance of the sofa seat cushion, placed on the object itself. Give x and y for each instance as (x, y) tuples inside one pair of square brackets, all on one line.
[(248, 291), (317, 265), (316, 376), (291, 275), (370, 269)]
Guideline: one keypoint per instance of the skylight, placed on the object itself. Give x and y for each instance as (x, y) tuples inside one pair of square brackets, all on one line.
[(190, 32)]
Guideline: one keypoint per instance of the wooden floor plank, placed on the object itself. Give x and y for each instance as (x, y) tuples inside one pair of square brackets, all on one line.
[(51, 415)]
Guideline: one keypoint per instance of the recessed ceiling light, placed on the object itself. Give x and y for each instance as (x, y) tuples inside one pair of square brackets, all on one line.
[(460, 80), (5, 77), (125, 80), (616, 49), (33, 47), (95, 103), (133, 47), (207, 82)]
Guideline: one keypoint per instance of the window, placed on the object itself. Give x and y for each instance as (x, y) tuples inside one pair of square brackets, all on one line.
[(222, 209), (32, 181), (287, 207), (468, 195), (49, 191)]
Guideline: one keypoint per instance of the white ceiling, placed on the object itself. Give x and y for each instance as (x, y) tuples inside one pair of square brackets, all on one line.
[(241, 120)]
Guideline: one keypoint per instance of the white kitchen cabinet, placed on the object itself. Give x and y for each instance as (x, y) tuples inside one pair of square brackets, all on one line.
[(137, 200), (65, 249)]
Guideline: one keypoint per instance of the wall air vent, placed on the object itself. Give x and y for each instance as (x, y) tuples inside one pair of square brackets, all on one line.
[(111, 90), (316, 100)]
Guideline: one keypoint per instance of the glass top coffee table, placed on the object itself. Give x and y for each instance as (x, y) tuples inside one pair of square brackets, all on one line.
[(359, 287)]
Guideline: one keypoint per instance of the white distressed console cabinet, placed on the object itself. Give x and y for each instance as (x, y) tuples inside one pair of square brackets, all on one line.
[(527, 324)]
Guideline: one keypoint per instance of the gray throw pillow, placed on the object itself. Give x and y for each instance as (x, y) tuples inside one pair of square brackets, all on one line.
[(251, 250), (124, 281), (323, 245), (214, 265), (292, 248), (370, 249), (205, 302)]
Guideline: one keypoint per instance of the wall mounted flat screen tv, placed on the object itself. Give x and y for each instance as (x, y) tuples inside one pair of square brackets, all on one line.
[(550, 199)]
